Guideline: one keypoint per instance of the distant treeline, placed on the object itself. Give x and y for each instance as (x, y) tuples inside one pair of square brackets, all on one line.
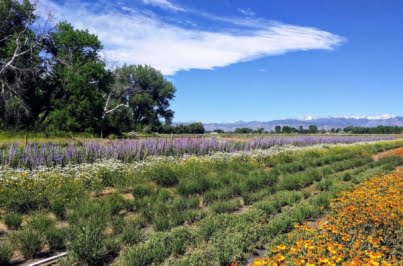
[(312, 129), (374, 130), (193, 128)]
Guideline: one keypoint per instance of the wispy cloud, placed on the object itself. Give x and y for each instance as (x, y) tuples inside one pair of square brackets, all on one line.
[(137, 37), (164, 4), (246, 11)]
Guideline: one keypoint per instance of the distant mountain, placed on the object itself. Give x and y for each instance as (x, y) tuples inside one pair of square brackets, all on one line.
[(322, 123)]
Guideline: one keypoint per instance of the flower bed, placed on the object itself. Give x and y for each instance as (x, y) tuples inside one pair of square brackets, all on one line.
[(362, 228), (50, 154)]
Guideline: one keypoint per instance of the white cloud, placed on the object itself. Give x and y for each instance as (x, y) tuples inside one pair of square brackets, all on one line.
[(164, 4), (137, 38), (246, 11)]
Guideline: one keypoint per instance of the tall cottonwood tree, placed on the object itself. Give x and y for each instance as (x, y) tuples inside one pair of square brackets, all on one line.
[(146, 94), (20, 65), (81, 81)]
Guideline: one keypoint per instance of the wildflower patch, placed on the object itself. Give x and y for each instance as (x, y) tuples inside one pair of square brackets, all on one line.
[(362, 228)]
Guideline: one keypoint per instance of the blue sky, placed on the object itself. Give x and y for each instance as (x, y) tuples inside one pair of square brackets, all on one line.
[(256, 59)]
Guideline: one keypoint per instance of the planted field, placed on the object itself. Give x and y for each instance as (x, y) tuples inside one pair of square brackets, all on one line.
[(188, 210), (51, 154), (364, 227)]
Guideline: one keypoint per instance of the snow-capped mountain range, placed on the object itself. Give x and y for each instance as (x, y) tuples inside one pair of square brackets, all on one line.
[(374, 117), (320, 122)]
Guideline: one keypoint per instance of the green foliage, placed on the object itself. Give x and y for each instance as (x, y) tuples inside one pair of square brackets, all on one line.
[(347, 177), (222, 206), (13, 220), (89, 244), (82, 81), (6, 252), (279, 200), (158, 248), (115, 203), (58, 208), (193, 186), (243, 130), (28, 242), (132, 233), (164, 174), (142, 190), (374, 130), (313, 129), (40, 222), (325, 185), (19, 80), (70, 89), (147, 94), (193, 128), (55, 238)]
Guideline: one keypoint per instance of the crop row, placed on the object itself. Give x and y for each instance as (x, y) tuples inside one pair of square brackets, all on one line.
[(362, 228), (33, 155)]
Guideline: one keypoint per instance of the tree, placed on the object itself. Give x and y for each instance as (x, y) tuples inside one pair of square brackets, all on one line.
[(313, 129), (243, 130), (260, 130), (196, 128), (81, 82), (21, 90), (147, 94), (286, 129), (278, 129)]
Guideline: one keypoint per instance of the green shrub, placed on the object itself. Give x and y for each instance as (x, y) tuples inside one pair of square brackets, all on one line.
[(279, 200), (306, 194), (115, 203), (223, 206), (40, 222), (324, 185), (28, 242), (141, 191), (89, 244), (153, 251), (55, 239), (161, 222), (24, 200), (106, 176), (132, 233), (179, 240), (164, 174), (188, 187), (347, 177), (321, 200), (158, 248), (89, 211), (181, 204), (6, 253), (13, 220), (268, 206), (58, 208), (118, 224), (191, 216)]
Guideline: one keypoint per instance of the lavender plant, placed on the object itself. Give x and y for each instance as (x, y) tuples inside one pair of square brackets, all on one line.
[(34, 155)]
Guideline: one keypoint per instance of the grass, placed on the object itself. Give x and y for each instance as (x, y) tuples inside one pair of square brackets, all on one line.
[(6, 252), (211, 210), (13, 221)]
